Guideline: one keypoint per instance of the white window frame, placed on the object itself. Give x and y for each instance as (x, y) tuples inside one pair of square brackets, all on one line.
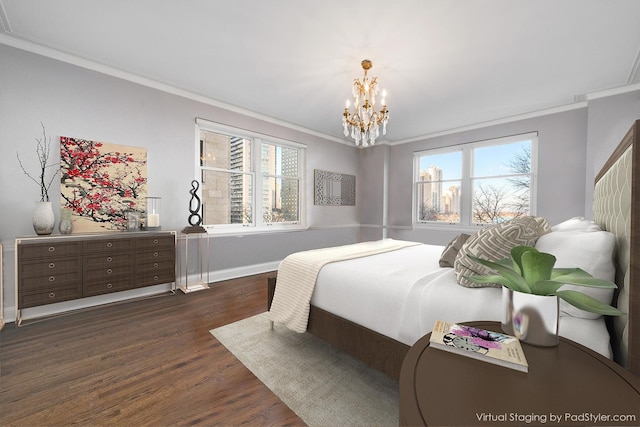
[(466, 213), (258, 225)]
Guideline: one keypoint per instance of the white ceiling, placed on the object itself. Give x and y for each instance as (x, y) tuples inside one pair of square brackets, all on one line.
[(445, 64)]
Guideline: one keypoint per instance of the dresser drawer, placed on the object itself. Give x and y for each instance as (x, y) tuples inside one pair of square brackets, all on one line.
[(154, 266), (107, 286), (108, 245), (106, 260), (158, 242), (48, 267), (52, 280), (45, 250), (155, 279), (157, 255), (49, 296), (92, 273)]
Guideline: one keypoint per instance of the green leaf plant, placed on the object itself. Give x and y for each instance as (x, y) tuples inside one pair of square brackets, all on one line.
[(531, 271)]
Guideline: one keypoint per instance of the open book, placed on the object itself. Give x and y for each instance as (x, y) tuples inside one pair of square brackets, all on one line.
[(489, 346)]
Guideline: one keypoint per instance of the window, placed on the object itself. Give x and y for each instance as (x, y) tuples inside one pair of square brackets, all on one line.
[(248, 180), (475, 184), (280, 184)]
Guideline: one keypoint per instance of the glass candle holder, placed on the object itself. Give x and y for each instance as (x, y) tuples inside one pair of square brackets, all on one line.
[(133, 220), (66, 225), (153, 213)]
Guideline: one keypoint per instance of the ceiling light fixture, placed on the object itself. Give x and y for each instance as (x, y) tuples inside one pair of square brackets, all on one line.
[(365, 121)]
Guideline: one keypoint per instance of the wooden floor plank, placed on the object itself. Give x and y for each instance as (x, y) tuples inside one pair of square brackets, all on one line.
[(147, 362)]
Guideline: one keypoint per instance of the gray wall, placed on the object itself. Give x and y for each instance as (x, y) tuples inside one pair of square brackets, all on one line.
[(609, 120), (77, 102), (371, 189), (561, 170)]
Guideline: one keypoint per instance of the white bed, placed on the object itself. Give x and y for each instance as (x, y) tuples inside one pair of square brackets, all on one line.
[(400, 294)]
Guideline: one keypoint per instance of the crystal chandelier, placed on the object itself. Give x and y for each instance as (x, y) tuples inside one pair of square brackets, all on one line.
[(365, 121)]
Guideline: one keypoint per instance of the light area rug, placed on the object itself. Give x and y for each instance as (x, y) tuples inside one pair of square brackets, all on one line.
[(323, 386)]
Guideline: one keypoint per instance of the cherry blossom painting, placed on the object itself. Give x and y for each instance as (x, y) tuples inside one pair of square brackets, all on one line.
[(100, 181)]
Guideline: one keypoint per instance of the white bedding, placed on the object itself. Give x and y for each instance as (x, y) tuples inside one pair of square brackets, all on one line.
[(401, 294)]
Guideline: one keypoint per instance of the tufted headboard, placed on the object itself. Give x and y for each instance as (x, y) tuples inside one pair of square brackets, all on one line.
[(616, 208)]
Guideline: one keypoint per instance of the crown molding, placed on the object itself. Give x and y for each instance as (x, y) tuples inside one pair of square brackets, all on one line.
[(611, 92), (582, 101), (533, 114), (72, 59), (4, 19), (635, 68)]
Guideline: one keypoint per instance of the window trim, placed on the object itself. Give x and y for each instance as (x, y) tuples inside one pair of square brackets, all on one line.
[(466, 214), (257, 225)]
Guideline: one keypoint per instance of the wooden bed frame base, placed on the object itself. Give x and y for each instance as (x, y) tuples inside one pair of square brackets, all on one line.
[(374, 349)]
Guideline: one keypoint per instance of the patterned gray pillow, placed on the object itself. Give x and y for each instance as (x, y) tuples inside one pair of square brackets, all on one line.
[(448, 257), (494, 243)]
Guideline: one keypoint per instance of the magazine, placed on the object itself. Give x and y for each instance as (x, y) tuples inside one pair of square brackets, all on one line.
[(489, 346)]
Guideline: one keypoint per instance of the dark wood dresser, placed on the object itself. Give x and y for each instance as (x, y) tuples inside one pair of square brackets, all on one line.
[(53, 269)]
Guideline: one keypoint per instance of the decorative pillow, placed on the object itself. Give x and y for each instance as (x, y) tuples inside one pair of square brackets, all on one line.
[(494, 243), (448, 257), (578, 223), (591, 251)]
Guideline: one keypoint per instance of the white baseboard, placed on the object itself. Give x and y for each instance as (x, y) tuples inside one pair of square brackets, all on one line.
[(248, 270)]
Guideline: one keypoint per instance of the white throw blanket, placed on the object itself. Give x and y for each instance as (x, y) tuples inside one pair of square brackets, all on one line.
[(297, 275)]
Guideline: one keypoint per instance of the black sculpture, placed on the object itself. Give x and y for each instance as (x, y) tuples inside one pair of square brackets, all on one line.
[(195, 215), (195, 219)]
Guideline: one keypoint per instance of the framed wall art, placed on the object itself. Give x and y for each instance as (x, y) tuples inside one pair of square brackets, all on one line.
[(100, 182), (334, 189)]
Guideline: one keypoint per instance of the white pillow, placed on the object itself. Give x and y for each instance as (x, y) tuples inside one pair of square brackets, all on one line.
[(591, 251), (578, 223)]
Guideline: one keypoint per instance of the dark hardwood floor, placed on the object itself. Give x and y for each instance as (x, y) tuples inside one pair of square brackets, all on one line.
[(146, 362)]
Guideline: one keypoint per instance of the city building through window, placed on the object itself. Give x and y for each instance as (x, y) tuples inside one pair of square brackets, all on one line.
[(478, 183), (249, 181)]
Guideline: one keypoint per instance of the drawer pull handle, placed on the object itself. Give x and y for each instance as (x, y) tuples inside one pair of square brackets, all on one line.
[(155, 264), (52, 248), (52, 265), (52, 278), (155, 278), (155, 254), (155, 241), (109, 285), (52, 295), (109, 244), (109, 271), (109, 259)]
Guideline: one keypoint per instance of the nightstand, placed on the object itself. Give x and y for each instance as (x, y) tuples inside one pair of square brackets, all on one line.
[(566, 385)]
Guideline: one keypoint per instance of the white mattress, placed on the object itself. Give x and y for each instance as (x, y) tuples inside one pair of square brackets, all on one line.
[(401, 294)]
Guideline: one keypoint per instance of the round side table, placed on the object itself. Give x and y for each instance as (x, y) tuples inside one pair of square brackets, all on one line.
[(566, 385)]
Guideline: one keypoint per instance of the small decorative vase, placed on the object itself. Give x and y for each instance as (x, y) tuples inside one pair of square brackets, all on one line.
[(43, 218), (65, 226), (531, 318)]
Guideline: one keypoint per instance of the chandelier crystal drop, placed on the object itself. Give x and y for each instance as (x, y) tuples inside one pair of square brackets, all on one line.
[(364, 123)]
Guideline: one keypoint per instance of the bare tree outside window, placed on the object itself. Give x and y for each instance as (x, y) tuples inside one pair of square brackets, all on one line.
[(428, 213), (506, 198), (521, 164), (489, 205)]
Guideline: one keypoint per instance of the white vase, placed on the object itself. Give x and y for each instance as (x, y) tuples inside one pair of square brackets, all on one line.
[(43, 218), (531, 318)]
